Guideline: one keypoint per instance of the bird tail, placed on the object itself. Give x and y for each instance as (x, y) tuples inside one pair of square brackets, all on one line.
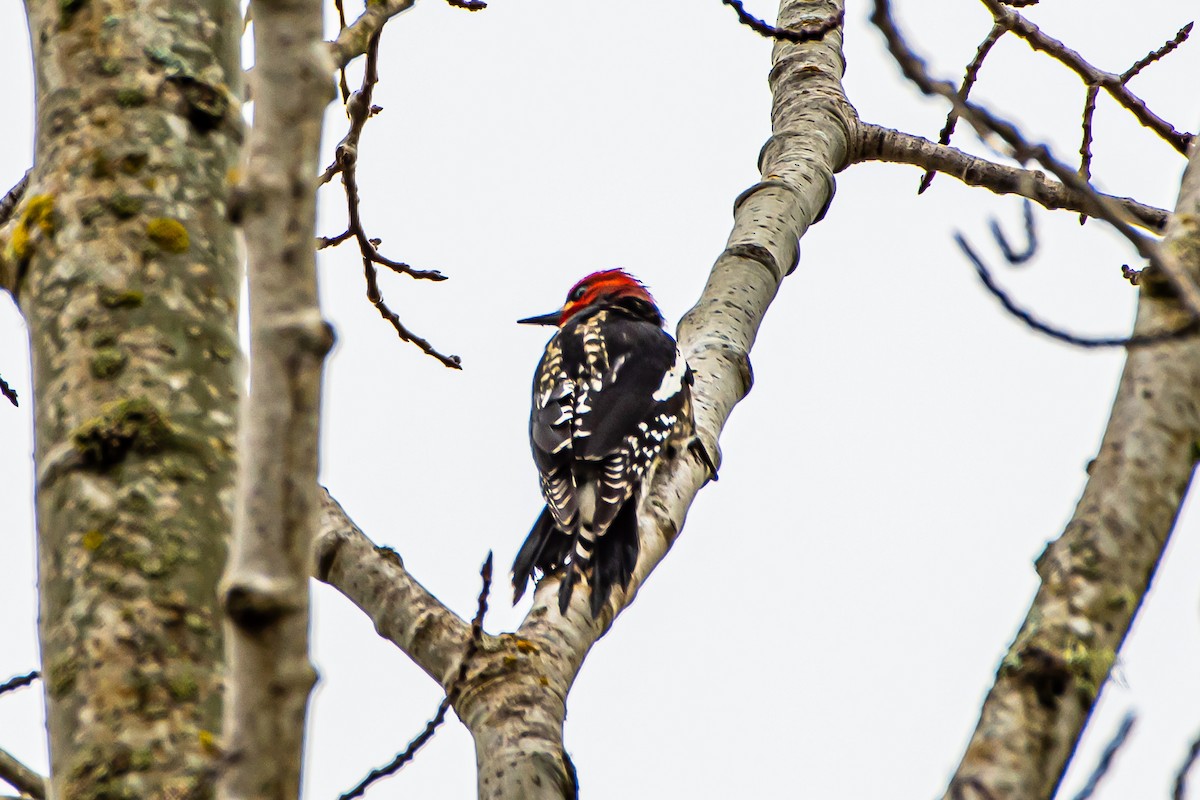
[(545, 549), (607, 560)]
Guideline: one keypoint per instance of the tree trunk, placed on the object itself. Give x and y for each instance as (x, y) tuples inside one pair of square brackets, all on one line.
[(125, 267)]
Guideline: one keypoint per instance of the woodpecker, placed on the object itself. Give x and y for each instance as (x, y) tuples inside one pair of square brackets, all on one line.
[(611, 400)]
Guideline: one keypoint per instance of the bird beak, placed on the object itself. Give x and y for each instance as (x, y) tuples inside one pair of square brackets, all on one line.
[(545, 319)]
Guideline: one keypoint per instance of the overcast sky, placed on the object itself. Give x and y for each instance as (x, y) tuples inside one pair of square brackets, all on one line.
[(837, 605)]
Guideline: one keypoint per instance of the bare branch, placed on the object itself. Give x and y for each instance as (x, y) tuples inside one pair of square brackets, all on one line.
[(987, 123), (877, 143), (13, 196), (21, 777), (1156, 55), (8, 392), (1112, 83), (1056, 333), (397, 763), (1011, 254), (360, 109), (19, 681), (1085, 147), (375, 580), (1180, 789), (264, 591), (970, 76), (1106, 758), (804, 33), (353, 40)]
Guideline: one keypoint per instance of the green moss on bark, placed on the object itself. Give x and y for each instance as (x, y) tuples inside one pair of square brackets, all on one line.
[(133, 425)]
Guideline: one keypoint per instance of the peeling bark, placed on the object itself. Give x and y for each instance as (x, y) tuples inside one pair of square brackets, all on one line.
[(125, 268), (1095, 576), (265, 587)]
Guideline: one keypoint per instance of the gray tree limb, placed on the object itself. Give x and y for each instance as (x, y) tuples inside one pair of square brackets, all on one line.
[(375, 580), (353, 40), (265, 587), (1095, 576), (21, 777), (877, 143)]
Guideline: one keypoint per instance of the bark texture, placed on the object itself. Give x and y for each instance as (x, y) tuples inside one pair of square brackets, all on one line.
[(125, 268), (375, 580), (1096, 574), (876, 143), (265, 589)]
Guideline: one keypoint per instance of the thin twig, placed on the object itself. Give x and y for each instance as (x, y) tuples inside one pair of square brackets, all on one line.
[(397, 763), (1012, 255), (1180, 792), (1155, 55), (343, 86), (969, 77), (21, 777), (1112, 83), (1106, 759), (8, 391), (359, 109), (809, 33), (19, 681), (1058, 334), (1085, 147), (986, 123), (13, 196)]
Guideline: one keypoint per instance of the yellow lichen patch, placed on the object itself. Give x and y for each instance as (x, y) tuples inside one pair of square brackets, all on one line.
[(169, 234), (36, 217), (92, 540), (526, 646), (208, 740), (1090, 667)]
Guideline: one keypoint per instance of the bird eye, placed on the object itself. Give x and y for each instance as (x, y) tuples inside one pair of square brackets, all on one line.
[(577, 294)]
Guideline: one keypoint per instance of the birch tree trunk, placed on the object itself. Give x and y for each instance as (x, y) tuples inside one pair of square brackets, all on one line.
[(123, 262)]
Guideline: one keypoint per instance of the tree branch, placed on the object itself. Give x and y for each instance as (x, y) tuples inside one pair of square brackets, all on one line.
[(375, 580), (1095, 575), (988, 124), (265, 588), (21, 777), (19, 681), (1111, 82), (877, 143), (354, 39)]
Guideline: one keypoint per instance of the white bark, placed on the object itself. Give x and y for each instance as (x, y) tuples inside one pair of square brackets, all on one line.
[(265, 589)]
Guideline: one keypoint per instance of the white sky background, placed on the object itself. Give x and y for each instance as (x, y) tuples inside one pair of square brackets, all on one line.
[(837, 606)]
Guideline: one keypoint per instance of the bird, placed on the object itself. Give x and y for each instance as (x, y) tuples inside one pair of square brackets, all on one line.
[(612, 399)]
